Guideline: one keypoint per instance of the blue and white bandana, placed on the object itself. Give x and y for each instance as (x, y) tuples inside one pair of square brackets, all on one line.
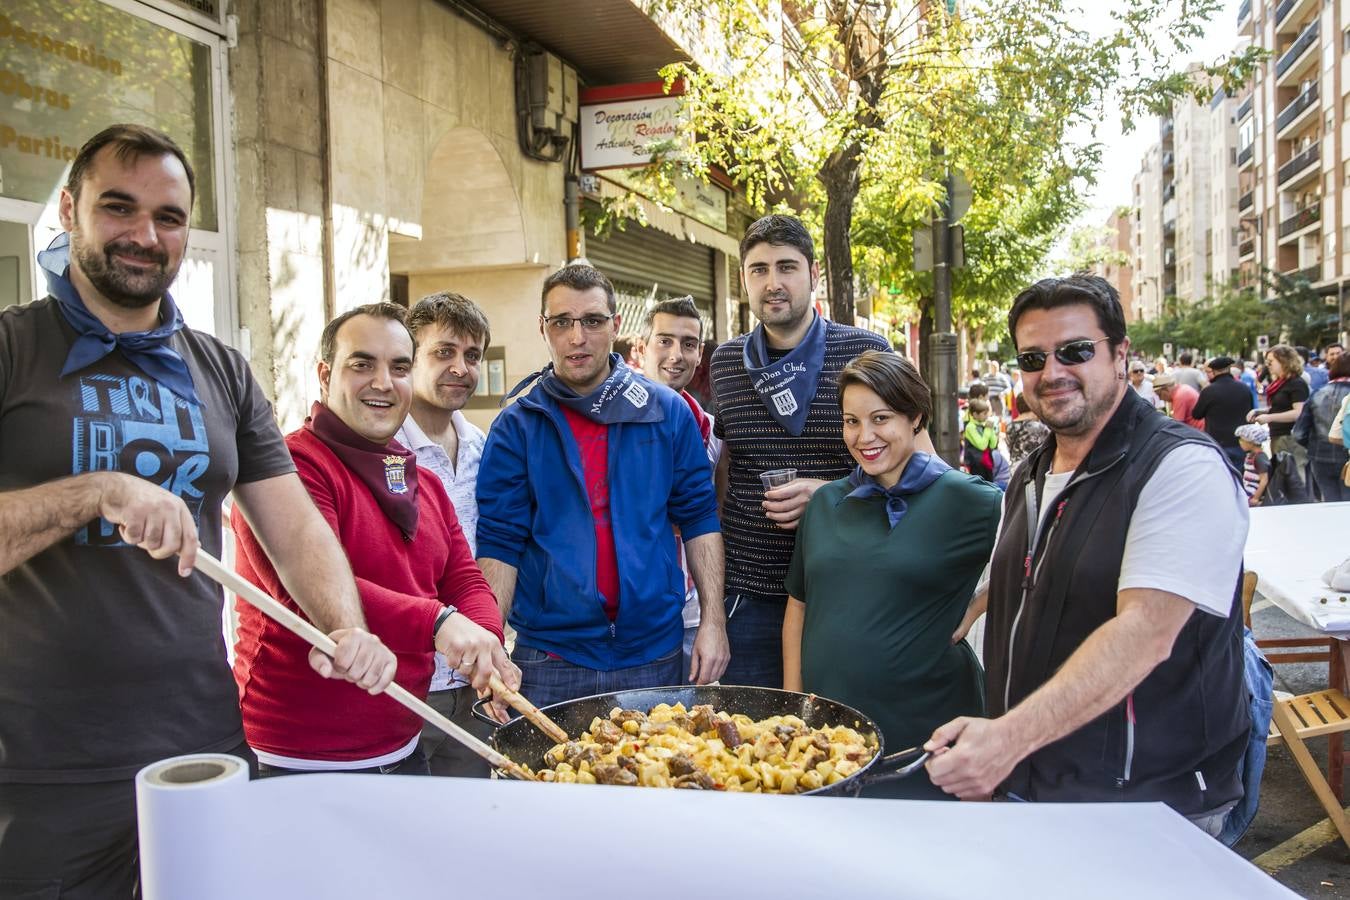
[(787, 386)]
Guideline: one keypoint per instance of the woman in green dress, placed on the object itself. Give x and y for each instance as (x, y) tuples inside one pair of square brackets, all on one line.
[(885, 565)]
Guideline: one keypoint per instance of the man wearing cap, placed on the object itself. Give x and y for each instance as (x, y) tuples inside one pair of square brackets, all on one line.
[(1180, 397), (1142, 383), (1223, 406)]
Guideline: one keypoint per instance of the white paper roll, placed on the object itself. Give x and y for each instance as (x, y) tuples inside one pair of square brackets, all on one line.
[(192, 826)]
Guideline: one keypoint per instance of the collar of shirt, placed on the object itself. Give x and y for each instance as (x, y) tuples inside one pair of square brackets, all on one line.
[(414, 438)]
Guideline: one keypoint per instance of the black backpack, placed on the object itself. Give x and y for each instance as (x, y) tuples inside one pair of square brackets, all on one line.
[(1286, 484)]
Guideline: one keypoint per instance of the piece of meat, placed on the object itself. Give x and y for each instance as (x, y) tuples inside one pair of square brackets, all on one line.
[(624, 761), (679, 720), (699, 781), (574, 754), (820, 742), (608, 773), (681, 764), (785, 733), (619, 716), (813, 757), (729, 733), (705, 719), (608, 733)]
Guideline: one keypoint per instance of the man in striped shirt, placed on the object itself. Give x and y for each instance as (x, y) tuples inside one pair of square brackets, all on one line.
[(775, 407)]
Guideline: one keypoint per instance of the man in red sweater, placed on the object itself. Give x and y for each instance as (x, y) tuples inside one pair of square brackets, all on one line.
[(418, 582)]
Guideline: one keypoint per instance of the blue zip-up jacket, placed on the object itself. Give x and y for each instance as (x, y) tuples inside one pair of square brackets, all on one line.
[(535, 515)]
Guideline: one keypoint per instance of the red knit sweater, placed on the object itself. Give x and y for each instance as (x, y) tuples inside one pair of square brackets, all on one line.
[(288, 709)]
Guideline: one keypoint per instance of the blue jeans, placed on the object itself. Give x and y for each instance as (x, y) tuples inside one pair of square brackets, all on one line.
[(1328, 479), (755, 633), (545, 680), (1237, 456)]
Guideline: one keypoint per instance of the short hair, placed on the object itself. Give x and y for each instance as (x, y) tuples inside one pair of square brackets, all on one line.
[(383, 310), (578, 277), (1290, 361), (1185, 358), (675, 306), (129, 143), (1303, 352), (1137, 365), (1023, 407), (1340, 368), (449, 310), (978, 389), (1089, 290), (978, 407), (894, 379), (1335, 344), (781, 231)]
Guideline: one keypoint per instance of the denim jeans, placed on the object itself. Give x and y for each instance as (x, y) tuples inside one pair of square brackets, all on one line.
[(415, 763), (545, 680), (1236, 456), (1328, 479), (755, 632)]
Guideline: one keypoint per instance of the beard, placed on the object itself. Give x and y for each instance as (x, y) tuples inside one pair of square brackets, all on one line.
[(120, 284), (1074, 413)]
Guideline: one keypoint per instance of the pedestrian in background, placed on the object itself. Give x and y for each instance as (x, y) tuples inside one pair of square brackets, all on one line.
[(1181, 399), (1142, 383), (1285, 395), (979, 440), (1223, 405), (1025, 433), (1313, 431), (1255, 463)]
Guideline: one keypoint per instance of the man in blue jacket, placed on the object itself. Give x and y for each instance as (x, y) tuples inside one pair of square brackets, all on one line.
[(580, 482)]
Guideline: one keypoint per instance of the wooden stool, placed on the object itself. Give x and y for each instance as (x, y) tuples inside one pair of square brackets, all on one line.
[(1310, 715)]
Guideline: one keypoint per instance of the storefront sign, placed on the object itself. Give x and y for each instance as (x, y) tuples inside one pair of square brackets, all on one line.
[(705, 202), (628, 132), (69, 69)]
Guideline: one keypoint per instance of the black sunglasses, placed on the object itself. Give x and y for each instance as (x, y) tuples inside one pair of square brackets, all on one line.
[(1074, 353)]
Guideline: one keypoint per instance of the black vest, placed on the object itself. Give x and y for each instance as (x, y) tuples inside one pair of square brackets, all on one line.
[(1189, 715)]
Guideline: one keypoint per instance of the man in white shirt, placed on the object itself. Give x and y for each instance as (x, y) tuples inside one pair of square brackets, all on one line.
[(1114, 666), (452, 334), (668, 351)]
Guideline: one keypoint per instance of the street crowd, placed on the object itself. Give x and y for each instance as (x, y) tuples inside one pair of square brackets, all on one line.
[(800, 532)]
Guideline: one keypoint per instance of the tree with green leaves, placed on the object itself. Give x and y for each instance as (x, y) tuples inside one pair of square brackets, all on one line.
[(835, 104)]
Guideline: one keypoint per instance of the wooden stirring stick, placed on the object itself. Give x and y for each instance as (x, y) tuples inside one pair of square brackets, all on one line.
[(527, 709), (212, 568)]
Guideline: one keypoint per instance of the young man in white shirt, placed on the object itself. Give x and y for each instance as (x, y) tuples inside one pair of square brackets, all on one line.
[(452, 334)]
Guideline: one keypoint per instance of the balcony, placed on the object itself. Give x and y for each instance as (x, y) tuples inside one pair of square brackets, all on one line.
[(1311, 274), (1289, 13), (1166, 130), (1170, 191), (1168, 160), (1247, 248), (1298, 169), (1246, 200), (1296, 110), (1170, 227), (1245, 155), (1244, 15), (1245, 108), (1300, 222), (1299, 57)]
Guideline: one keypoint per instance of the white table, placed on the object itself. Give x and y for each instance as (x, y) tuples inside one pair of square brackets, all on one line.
[(1289, 547), (377, 836)]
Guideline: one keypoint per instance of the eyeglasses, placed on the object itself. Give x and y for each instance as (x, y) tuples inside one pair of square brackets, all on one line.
[(1074, 353), (563, 324)]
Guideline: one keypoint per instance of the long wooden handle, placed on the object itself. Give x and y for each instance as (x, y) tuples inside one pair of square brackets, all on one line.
[(527, 709), (212, 568)]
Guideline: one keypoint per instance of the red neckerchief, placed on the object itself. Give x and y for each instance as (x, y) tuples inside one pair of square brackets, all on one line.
[(389, 471), (1274, 386), (704, 422)]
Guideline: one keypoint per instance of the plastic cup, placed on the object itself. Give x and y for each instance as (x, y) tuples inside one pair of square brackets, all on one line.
[(777, 478)]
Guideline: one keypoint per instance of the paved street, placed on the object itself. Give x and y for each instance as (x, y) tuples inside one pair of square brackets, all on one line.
[(1313, 864)]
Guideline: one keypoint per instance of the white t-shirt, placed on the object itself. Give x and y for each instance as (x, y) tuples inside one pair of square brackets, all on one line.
[(1164, 550)]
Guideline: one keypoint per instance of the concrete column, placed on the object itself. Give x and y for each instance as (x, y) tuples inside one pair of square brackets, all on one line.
[(276, 91)]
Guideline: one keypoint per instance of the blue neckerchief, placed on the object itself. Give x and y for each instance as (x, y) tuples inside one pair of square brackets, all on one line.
[(921, 471), (148, 351), (622, 397), (787, 387)]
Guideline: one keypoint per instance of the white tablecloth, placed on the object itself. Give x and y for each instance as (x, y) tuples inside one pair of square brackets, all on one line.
[(1289, 547), (374, 836)]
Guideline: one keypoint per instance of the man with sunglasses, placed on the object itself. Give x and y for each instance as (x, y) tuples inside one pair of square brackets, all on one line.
[(1114, 666), (580, 482)]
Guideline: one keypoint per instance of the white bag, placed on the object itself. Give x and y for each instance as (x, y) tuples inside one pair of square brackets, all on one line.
[(1338, 579)]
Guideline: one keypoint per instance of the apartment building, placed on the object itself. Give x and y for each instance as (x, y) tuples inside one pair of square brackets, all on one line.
[(1186, 197), (1150, 281), (1118, 267), (1291, 162)]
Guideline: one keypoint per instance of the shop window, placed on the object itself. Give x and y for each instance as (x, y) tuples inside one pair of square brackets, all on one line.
[(84, 64), (492, 382)]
